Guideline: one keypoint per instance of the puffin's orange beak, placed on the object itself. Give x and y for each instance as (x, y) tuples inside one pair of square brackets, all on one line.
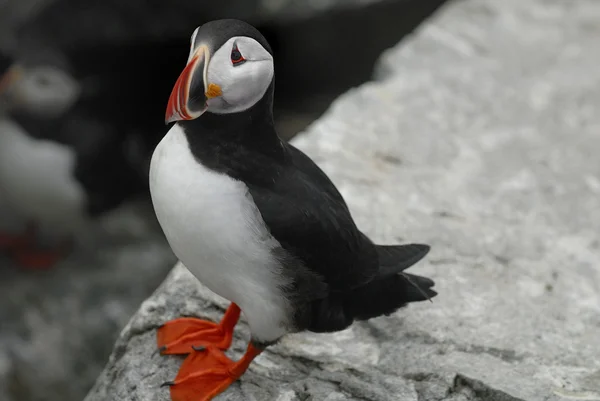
[(190, 93)]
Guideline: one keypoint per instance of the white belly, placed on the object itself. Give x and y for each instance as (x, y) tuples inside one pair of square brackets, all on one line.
[(37, 182), (216, 231)]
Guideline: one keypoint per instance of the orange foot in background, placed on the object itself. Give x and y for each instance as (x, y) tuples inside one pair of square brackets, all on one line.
[(29, 256), (23, 251), (179, 336), (207, 373), (37, 259)]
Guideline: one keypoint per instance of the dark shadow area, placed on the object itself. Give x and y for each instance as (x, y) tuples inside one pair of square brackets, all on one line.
[(317, 59)]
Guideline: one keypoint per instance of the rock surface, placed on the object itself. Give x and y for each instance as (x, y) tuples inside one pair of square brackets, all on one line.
[(478, 137)]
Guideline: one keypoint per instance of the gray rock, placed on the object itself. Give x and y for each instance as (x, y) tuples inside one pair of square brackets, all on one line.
[(478, 137), (58, 327)]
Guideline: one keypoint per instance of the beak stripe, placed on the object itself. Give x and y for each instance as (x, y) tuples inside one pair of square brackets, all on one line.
[(177, 106)]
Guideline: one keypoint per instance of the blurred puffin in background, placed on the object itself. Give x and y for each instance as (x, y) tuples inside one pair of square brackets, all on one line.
[(61, 166)]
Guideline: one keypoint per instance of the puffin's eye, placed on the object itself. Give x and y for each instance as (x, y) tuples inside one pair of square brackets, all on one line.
[(236, 56)]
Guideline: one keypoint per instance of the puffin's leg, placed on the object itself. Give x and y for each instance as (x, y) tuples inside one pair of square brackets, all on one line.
[(209, 372), (178, 336)]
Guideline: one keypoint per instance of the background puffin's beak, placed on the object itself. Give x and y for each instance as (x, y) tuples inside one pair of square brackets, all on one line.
[(12, 75), (191, 79)]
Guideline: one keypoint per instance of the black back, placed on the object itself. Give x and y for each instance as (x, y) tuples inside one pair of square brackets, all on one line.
[(301, 207)]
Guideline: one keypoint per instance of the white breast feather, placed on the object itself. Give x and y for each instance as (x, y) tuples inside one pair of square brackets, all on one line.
[(216, 231)]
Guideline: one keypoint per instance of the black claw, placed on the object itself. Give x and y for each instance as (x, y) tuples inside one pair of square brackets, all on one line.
[(198, 348), (170, 383)]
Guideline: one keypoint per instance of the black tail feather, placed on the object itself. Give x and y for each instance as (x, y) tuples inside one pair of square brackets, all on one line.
[(395, 258), (420, 284), (393, 288), (384, 297)]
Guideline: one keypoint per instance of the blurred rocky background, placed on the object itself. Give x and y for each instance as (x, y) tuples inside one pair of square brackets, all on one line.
[(58, 326)]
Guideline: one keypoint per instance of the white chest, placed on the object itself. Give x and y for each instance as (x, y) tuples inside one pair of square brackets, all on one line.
[(216, 231)]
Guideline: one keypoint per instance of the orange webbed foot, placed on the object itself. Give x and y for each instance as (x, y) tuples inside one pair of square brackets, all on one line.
[(208, 372), (179, 336)]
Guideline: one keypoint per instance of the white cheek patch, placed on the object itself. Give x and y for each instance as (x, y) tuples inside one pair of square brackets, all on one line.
[(250, 83), (242, 85)]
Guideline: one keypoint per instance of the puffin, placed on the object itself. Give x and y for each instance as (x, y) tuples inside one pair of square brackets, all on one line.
[(256, 221), (52, 177)]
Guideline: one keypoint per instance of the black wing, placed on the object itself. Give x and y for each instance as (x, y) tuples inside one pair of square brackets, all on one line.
[(308, 216)]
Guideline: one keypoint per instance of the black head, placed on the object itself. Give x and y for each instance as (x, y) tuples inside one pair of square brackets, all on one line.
[(229, 70)]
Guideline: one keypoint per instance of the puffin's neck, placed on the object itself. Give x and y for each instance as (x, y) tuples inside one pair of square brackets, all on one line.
[(250, 128), (221, 138)]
